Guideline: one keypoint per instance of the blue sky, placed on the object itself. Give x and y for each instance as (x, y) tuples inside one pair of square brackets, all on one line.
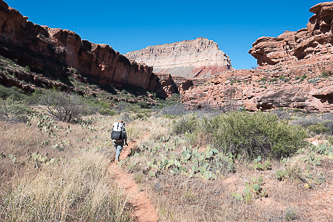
[(132, 25)]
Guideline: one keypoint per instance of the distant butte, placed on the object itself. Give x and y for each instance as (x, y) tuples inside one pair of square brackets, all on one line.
[(200, 57)]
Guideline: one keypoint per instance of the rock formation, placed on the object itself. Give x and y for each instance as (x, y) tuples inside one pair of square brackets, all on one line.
[(194, 58), (52, 51), (295, 72), (306, 86), (313, 41)]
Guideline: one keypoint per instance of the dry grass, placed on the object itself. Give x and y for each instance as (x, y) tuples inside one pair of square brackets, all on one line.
[(74, 186), (136, 129), (76, 190)]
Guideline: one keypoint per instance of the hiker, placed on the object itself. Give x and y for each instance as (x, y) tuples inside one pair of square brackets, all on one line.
[(119, 137)]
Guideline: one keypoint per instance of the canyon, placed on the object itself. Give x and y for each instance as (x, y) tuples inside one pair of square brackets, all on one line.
[(295, 69)]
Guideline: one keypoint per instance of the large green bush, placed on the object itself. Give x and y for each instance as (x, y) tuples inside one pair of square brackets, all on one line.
[(248, 134), (257, 134)]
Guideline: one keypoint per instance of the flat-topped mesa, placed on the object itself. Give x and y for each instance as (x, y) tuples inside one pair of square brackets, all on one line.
[(314, 41), (52, 51), (190, 58)]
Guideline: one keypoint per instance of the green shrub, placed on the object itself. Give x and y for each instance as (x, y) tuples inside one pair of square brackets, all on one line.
[(318, 128), (144, 104), (93, 105), (325, 73), (126, 117), (186, 124), (109, 112), (302, 78), (15, 93), (263, 80), (133, 107), (257, 134), (14, 110), (174, 99), (250, 135), (330, 139), (168, 116)]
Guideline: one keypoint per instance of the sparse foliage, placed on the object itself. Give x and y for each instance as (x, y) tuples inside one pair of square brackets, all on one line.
[(65, 107)]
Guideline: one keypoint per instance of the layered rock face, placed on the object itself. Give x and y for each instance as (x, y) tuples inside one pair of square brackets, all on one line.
[(296, 71), (52, 51), (313, 41), (306, 86), (195, 58)]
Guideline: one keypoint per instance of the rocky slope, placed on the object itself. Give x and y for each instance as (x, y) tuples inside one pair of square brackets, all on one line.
[(313, 41), (295, 72), (194, 58), (53, 51)]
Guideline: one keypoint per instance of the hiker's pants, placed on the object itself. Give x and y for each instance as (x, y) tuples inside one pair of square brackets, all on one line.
[(118, 146)]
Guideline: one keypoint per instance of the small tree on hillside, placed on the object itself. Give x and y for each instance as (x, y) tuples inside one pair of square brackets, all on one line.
[(64, 106)]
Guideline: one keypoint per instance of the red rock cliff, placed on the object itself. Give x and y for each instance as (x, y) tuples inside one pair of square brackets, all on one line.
[(51, 51), (315, 40), (296, 71)]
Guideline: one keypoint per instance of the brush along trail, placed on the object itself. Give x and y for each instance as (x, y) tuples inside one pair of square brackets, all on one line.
[(144, 211)]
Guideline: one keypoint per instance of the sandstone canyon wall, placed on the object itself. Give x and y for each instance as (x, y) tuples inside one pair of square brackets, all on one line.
[(195, 58), (52, 51), (313, 41), (296, 71)]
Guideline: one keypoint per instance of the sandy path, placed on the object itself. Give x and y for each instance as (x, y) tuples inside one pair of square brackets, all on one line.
[(144, 211)]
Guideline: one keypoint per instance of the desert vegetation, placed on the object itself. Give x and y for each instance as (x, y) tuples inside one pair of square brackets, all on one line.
[(55, 171), (195, 173), (193, 165)]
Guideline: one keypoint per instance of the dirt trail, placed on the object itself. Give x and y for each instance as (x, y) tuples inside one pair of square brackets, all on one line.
[(144, 211)]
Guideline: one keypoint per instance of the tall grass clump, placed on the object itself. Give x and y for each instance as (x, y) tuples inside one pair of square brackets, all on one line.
[(78, 190)]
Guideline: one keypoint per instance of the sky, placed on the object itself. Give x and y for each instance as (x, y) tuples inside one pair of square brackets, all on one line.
[(132, 25)]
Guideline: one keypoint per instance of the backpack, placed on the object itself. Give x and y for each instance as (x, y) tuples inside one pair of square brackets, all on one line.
[(117, 131)]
